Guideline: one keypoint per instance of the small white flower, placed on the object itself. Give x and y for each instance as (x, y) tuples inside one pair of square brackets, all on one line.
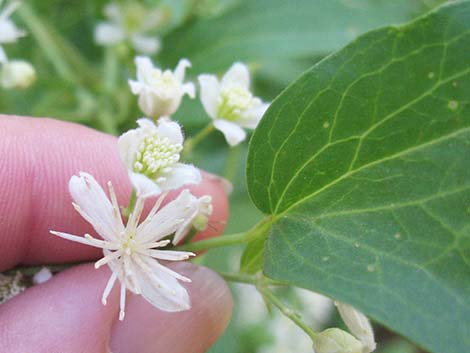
[(335, 340), (230, 103), (18, 74), (160, 92), (201, 210), (131, 22), (359, 326), (130, 251), (151, 154), (9, 33)]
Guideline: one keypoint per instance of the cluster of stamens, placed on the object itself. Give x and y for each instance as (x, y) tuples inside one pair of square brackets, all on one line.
[(165, 81), (156, 155), (234, 100)]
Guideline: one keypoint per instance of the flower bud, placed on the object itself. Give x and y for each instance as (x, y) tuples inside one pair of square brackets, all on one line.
[(17, 74), (335, 340)]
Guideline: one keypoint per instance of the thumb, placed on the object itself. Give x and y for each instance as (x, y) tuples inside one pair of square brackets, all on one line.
[(65, 314)]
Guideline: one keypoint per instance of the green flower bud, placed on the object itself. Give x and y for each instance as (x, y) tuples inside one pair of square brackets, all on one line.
[(335, 340)]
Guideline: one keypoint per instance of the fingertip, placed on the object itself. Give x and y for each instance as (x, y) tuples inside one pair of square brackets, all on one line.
[(149, 330)]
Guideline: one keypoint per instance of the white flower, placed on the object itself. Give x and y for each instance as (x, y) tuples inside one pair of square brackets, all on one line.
[(160, 92), (201, 210), (335, 340), (359, 326), (151, 154), (17, 74), (230, 103), (9, 33), (130, 251), (131, 22)]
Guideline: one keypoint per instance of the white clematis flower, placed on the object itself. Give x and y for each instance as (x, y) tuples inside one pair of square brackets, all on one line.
[(130, 22), (359, 326), (151, 154), (160, 92), (230, 103), (131, 251), (9, 33), (201, 209)]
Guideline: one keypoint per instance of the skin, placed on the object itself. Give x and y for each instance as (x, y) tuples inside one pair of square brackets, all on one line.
[(65, 314)]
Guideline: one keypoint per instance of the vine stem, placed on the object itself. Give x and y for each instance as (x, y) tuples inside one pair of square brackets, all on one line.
[(286, 311), (196, 139), (259, 229)]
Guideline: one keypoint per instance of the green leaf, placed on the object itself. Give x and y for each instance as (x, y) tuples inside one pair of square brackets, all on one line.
[(252, 258), (265, 30), (364, 162)]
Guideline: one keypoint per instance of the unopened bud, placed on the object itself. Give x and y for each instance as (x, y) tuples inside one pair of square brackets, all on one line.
[(200, 222), (335, 340), (17, 74)]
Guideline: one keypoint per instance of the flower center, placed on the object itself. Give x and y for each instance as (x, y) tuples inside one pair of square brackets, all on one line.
[(234, 100), (133, 16), (129, 245), (165, 81), (156, 155)]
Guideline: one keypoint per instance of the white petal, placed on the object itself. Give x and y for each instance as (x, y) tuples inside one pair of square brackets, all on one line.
[(237, 75), (190, 89), (181, 68), (181, 174), (128, 143), (108, 34), (233, 133), (210, 94), (252, 117), (173, 297), (146, 45), (144, 186), (136, 86), (168, 219), (359, 325), (144, 67), (171, 255), (171, 130), (93, 202), (146, 124)]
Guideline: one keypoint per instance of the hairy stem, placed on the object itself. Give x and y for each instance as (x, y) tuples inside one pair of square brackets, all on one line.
[(286, 311)]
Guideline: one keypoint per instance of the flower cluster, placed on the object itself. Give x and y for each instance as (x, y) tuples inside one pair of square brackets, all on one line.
[(229, 103), (13, 73)]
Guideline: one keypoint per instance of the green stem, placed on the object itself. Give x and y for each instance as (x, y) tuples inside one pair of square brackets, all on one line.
[(130, 207), (286, 311), (249, 279), (217, 242), (232, 239), (196, 139)]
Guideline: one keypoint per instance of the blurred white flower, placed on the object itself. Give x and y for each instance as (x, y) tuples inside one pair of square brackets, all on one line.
[(130, 251), (359, 326), (335, 340), (151, 154), (17, 74), (9, 33), (160, 92), (230, 103), (133, 22)]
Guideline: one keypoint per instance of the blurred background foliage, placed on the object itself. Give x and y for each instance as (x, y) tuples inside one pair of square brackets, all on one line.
[(81, 82)]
